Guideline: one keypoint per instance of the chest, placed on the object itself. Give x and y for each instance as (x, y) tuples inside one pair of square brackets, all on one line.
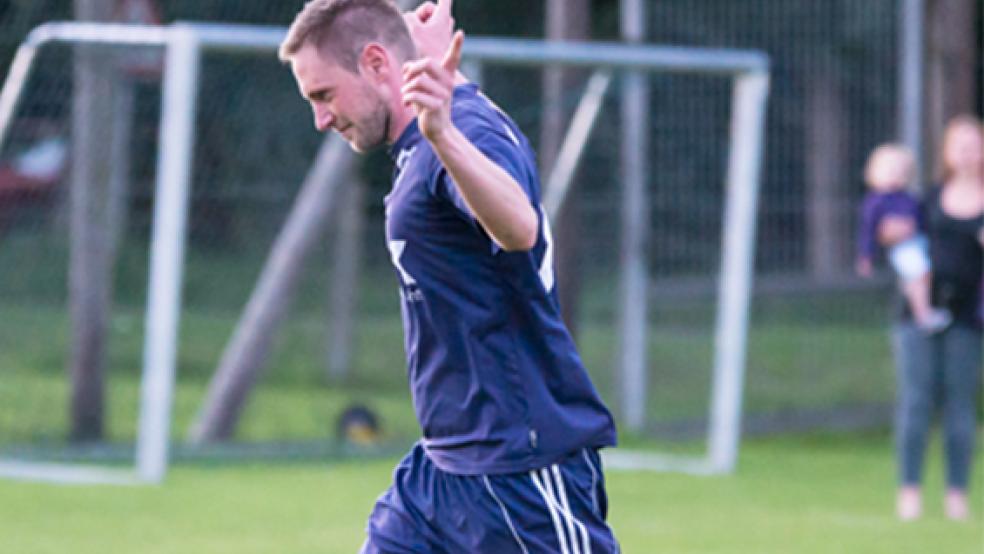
[(415, 212), (962, 202), (430, 240), (955, 230)]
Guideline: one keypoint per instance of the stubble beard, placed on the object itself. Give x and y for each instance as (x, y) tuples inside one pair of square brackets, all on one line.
[(372, 131)]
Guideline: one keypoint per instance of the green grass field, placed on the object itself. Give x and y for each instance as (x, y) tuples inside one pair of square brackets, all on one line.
[(805, 495), (821, 365), (808, 494)]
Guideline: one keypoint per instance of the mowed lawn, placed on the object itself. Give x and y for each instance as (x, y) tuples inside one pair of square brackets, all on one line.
[(790, 495)]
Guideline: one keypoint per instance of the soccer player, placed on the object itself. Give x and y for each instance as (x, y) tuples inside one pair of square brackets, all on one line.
[(508, 462)]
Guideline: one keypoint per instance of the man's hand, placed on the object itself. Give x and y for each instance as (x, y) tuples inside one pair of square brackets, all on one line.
[(431, 28), (428, 86)]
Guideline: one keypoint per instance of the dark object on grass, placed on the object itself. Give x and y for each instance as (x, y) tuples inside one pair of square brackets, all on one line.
[(359, 425)]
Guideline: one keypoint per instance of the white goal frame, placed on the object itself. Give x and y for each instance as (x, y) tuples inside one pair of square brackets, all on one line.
[(184, 44)]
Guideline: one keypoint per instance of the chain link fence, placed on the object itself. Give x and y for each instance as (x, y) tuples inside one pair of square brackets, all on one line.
[(818, 351)]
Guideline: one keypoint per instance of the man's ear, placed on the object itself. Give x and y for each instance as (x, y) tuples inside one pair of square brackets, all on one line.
[(374, 62)]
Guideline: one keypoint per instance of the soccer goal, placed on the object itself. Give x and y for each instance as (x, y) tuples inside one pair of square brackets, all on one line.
[(149, 313)]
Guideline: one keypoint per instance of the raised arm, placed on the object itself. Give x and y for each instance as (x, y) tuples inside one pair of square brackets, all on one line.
[(498, 202)]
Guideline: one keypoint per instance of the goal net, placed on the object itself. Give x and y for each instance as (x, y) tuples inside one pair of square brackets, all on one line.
[(183, 282)]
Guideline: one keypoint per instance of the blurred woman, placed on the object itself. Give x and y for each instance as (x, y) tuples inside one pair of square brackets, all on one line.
[(944, 370)]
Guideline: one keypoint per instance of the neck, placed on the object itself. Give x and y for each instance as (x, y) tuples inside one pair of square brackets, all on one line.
[(970, 177), (400, 118)]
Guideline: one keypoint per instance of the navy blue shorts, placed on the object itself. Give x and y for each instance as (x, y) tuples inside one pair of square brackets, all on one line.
[(556, 509)]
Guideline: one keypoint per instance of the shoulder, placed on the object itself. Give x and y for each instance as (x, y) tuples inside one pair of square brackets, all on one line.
[(468, 104), (874, 202), (871, 198), (913, 200), (476, 115), (932, 193)]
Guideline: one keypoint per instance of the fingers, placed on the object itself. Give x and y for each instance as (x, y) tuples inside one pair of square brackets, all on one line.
[(425, 11), (444, 8), (416, 67), (426, 65), (453, 57), (434, 14), (444, 72), (415, 19), (422, 102), (426, 86), (425, 94), (431, 28)]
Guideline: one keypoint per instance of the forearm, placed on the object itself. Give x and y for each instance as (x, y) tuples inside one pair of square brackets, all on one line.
[(493, 196)]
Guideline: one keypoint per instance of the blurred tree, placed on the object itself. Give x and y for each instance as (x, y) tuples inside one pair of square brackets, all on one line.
[(954, 45), (89, 271), (826, 183), (826, 128)]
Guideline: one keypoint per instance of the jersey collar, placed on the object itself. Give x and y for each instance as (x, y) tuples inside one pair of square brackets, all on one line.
[(400, 149), (410, 136)]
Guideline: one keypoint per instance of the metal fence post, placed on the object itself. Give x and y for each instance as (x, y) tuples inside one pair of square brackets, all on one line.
[(911, 63)]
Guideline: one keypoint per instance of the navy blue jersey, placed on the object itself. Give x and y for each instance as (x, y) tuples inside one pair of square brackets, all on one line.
[(497, 384)]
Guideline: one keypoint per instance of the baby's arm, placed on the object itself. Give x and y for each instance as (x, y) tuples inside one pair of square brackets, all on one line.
[(867, 238)]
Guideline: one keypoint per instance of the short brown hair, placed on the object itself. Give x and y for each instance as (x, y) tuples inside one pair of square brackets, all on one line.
[(345, 27)]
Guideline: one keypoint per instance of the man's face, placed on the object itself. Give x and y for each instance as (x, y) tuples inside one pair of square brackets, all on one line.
[(341, 100)]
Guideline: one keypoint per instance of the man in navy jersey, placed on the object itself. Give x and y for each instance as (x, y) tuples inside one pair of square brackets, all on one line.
[(511, 423)]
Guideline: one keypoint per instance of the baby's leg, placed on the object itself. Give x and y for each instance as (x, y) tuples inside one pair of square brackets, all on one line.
[(916, 291), (910, 259)]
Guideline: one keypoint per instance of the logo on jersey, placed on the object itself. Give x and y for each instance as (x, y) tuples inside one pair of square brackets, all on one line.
[(403, 156), (396, 248), (546, 266), (409, 290)]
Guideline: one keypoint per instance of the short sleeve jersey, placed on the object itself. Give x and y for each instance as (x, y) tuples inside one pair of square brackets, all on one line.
[(497, 384)]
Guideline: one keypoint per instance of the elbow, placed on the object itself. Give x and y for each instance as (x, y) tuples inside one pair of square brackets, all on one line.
[(525, 237), (520, 244)]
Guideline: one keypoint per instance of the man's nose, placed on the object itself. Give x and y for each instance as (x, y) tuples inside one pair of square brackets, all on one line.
[(323, 118)]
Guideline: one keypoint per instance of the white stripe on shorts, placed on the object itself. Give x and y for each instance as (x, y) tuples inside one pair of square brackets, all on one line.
[(594, 482), (566, 509), (553, 512), (548, 480), (505, 515)]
